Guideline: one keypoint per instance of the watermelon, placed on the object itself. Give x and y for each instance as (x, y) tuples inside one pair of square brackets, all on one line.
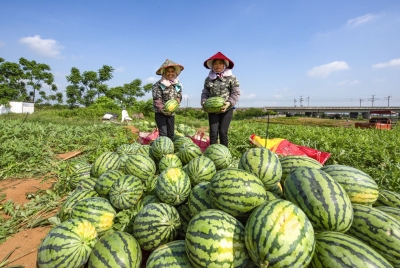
[(68, 245), (323, 200), (156, 224), (141, 166), (391, 211), (162, 146), (200, 169), (87, 183), (334, 249), (219, 154), (148, 199), (106, 180), (169, 161), (150, 185), (378, 230), (79, 174), (215, 239), (213, 104), (279, 234), (73, 165), (125, 150), (179, 141), (66, 209), (117, 249), (126, 192), (171, 106), (236, 191), (146, 150), (105, 162), (388, 198), (264, 164), (276, 189), (97, 210), (172, 254), (185, 216), (361, 188), (199, 198), (291, 162), (173, 186), (188, 151)]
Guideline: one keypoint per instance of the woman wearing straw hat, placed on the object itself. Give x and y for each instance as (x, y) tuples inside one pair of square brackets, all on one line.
[(167, 88), (220, 82)]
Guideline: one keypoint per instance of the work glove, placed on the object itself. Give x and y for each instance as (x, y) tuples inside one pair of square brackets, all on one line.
[(226, 106)]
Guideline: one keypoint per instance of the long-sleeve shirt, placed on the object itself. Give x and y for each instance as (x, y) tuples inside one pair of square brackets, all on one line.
[(226, 87), (162, 94)]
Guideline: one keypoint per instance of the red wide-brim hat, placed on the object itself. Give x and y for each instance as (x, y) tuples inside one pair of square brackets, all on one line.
[(219, 56)]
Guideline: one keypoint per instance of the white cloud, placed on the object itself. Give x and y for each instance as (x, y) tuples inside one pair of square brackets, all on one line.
[(394, 62), (152, 79), (120, 69), (349, 82), (44, 47), (326, 69), (361, 20)]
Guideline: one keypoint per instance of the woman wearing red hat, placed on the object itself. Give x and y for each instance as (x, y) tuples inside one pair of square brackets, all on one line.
[(220, 83), (167, 88)]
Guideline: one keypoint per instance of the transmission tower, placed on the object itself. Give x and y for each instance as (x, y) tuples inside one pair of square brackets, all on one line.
[(373, 99), (295, 102), (387, 98), (301, 100)]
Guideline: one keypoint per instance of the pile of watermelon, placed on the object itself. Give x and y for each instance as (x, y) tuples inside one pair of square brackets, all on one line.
[(185, 208)]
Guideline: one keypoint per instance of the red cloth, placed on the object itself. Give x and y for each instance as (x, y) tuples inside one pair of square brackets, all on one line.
[(288, 148), (148, 137), (200, 141)]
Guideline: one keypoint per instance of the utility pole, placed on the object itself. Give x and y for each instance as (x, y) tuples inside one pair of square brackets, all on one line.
[(388, 98), (361, 100), (308, 101), (301, 100), (373, 99), (295, 102)]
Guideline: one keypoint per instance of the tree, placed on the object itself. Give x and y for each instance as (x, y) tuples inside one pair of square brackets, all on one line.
[(87, 85), (12, 85), (36, 74), (128, 93)]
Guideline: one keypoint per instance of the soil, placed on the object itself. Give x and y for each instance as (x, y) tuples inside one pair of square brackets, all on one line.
[(27, 241)]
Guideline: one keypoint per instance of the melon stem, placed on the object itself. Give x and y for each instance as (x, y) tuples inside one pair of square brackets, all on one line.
[(264, 264)]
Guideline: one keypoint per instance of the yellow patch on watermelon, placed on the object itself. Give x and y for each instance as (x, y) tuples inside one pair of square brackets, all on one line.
[(106, 221), (87, 230), (173, 173)]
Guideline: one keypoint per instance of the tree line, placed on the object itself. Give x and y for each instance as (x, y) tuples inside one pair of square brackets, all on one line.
[(22, 81)]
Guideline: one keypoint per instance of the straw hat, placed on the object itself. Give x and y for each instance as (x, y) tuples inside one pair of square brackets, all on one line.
[(219, 56), (170, 63)]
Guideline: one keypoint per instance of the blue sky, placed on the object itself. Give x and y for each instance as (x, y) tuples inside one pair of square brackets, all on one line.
[(329, 53)]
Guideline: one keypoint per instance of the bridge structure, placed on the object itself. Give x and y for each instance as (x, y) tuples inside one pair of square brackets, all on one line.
[(316, 111)]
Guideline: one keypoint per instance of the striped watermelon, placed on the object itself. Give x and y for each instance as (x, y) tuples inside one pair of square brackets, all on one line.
[(87, 183), (146, 150), (279, 234), (68, 245), (291, 162), (185, 216), (125, 150), (264, 164), (97, 210), (106, 180), (334, 249), (199, 198), (173, 186), (141, 166), (79, 174), (73, 165), (200, 169), (276, 189), (215, 239), (117, 249), (171, 106), (388, 198), (148, 199), (150, 185), (172, 254), (219, 154), (236, 191), (271, 196), (391, 211), (162, 146), (105, 162), (188, 151), (126, 192), (66, 209), (156, 224), (169, 161), (361, 188), (179, 141), (213, 104), (324, 200), (378, 230)]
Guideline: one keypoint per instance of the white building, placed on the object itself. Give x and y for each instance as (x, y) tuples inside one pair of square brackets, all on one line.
[(18, 108)]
